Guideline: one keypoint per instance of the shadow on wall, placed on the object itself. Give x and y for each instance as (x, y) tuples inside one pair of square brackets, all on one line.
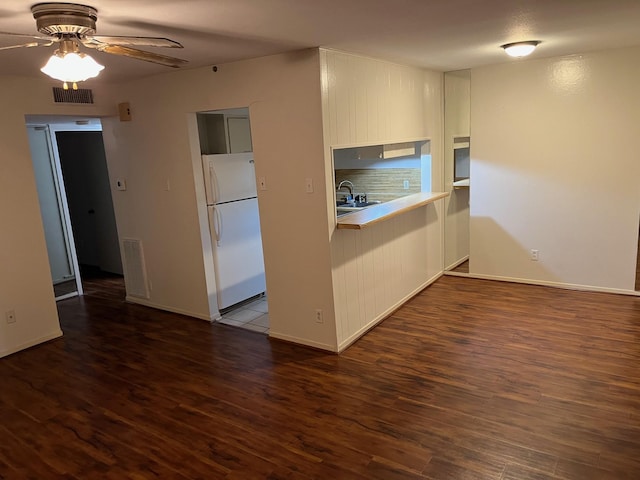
[(502, 256)]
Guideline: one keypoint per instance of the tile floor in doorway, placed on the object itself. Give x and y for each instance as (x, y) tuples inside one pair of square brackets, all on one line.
[(253, 315)]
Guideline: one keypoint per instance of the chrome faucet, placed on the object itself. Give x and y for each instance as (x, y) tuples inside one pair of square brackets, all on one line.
[(346, 183)]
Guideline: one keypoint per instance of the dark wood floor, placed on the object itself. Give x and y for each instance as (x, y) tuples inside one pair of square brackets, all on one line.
[(471, 379)]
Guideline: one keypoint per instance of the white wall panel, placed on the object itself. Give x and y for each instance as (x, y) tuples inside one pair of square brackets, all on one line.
[(371, 101), (378, 268)]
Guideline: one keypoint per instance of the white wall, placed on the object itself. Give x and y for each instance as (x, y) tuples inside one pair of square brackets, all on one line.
[(456, 120), (555, 167), (160, 145), (25, 278), (367, 101)]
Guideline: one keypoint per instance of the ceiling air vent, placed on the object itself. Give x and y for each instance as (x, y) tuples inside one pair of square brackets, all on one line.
[(82, 95)]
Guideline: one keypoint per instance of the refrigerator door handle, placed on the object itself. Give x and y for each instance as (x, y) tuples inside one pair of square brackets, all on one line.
[(217, 225), (213, 183), (214, 224)]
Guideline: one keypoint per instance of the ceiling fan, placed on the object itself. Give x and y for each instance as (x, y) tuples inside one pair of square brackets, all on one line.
[(69, 25)]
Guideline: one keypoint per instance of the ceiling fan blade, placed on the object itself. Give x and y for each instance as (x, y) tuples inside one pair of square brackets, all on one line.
[(25, 35), (137, 41), (27, 45), (141, 55)]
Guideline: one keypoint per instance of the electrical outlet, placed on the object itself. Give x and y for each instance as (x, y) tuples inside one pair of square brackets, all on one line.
[(11, 316), (406, 184), (535, 255), (319, 318)]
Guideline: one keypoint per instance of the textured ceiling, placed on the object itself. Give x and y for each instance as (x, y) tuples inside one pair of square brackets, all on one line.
[(439, 34)]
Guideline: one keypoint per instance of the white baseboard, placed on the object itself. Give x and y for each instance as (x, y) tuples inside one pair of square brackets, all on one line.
[(349, 341), (67, 295), (303, 341), (31, 343), (544, 283), (147, 303), (456, 274)]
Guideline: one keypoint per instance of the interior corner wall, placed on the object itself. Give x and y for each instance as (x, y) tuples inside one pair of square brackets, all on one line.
[(25, 277), (158, 155), (555, 168)]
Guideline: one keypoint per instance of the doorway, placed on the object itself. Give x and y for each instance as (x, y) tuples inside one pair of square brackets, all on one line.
[(75, 201), (236, 276), (86, 180)]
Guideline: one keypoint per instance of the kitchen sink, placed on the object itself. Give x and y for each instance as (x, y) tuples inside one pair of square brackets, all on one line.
[(342, 208), (357, 204)]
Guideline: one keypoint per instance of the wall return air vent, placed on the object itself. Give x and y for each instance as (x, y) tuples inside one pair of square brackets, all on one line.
[(82, 95), (135, 272)]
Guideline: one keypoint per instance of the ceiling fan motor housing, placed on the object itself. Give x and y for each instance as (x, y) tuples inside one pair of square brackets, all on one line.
[(58, 19)]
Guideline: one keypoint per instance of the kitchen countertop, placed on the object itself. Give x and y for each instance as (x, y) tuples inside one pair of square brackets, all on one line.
[(377, 213)]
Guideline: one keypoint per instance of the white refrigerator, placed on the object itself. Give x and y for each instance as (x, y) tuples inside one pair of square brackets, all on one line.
[(234, 223)]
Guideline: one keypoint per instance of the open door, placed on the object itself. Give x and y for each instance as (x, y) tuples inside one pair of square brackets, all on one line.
[(57, 227)]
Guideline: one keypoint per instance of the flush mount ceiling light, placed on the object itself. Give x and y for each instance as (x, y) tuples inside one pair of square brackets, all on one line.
[(68, 65), (520, 49)]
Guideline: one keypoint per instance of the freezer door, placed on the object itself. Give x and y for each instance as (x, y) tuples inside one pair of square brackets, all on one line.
[(238, 258), (229, 177)]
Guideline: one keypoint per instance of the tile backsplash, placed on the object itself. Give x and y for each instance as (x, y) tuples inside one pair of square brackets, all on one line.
[(381, 184)]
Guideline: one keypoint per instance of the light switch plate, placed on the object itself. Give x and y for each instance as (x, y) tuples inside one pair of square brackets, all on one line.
[(121, 184), (308, 185)]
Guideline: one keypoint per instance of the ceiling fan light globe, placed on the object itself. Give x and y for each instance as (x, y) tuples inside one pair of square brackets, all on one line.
[(72, 67)]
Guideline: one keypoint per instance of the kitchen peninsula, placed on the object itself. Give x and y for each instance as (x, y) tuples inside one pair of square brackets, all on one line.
[(378, 213)]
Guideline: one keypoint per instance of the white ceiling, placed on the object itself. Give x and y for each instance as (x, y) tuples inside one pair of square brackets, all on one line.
[(439, 34)]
